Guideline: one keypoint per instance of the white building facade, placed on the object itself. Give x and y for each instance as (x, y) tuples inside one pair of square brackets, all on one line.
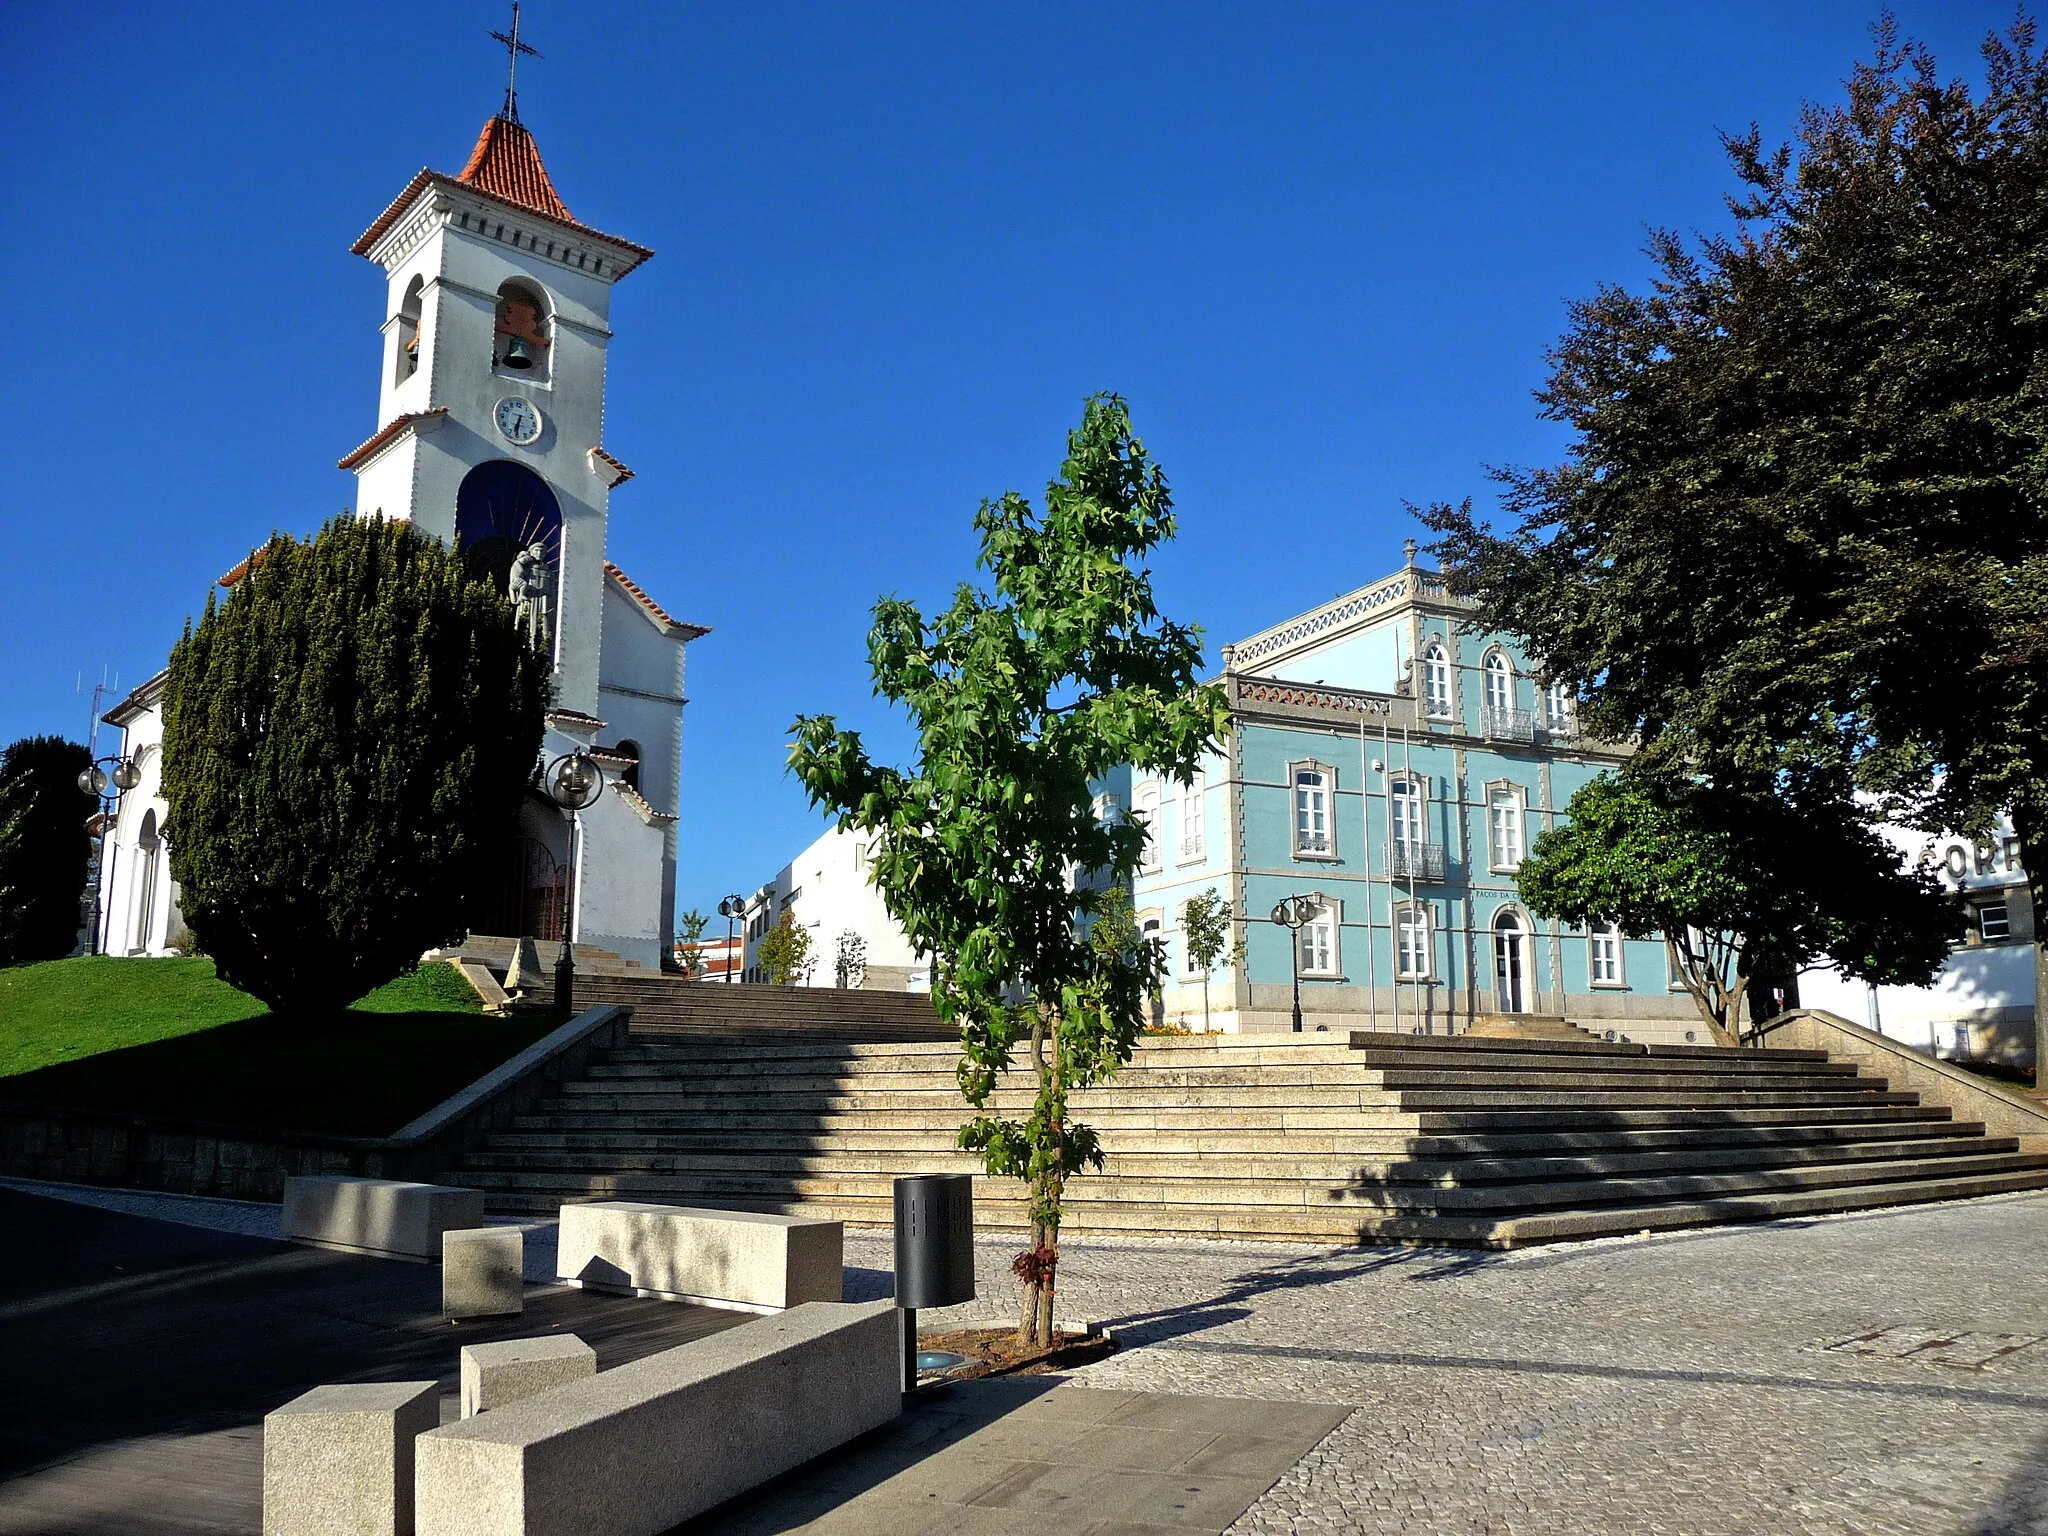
[(490, 438), (827, 890)]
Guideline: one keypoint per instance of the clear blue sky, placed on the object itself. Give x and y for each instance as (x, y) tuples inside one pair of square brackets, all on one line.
[(1321, 248)]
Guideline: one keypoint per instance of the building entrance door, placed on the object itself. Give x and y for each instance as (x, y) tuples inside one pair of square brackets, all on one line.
[(1510, 964)]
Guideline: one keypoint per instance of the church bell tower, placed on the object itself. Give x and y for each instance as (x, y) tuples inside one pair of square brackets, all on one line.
[(490, 402)]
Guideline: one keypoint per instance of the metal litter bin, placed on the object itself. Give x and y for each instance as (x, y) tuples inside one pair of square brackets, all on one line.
[(934, 1251)]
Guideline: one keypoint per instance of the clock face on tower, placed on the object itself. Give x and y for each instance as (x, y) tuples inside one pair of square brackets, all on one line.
[(519, 420)]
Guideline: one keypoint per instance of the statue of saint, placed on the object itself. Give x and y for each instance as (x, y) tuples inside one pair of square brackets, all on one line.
[(529, 592)]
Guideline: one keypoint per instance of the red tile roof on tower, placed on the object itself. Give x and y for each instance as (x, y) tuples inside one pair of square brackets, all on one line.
[(671, 626), (506, 164), (505, 167)]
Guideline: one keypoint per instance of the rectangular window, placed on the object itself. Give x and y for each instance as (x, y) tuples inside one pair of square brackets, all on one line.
[(1994, 921), (1504, 828), (1407, 814), (1193, 828), (1311, 813), (1604, 955), (1147, 813), (1411, 944), (1319, 944)]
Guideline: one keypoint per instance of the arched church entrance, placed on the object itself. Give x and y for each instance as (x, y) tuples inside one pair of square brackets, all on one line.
[(502, 511), (525, 880)]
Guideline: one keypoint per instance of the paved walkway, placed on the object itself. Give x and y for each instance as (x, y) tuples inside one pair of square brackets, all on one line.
[(1672, 1384)]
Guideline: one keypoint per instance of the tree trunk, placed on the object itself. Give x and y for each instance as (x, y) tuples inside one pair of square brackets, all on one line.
[(2033, 836), (1205, 1003), (1038, 1282)]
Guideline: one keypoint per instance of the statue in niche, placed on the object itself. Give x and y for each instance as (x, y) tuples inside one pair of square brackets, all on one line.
[(528, 586)]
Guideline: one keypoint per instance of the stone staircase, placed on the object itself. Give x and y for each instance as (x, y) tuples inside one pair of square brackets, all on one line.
[(1395, 1138), (671, 1006)]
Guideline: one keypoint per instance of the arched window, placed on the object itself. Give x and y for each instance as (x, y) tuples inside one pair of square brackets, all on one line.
[(505, 515), (1436, 683), (524, 332), (1500, 682), (630, 774), (408, 362), (1193, 822), (149, 848)]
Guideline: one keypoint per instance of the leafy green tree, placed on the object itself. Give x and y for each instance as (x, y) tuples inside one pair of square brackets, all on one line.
[(1801, 532), (1023, 699), (1739, 890), (690, 951), (45, 849), (784, 954), (346, 741), (1206, 928)]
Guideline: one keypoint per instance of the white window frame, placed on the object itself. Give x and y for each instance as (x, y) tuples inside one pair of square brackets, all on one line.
[(2004, 911), (1194, 826), (1410, 816), (1560, 707), (1329, 923), (1295, 808), (1606, 934), (1502, 859), (1436, 682), (1414, 918), (1145, 810), (1499, 673)]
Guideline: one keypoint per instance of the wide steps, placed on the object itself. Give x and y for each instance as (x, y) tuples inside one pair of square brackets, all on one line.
[(1361, 1138)]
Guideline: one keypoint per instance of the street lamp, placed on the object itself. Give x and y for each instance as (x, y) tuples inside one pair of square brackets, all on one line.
[(1294, 913), (574, 781), (96, 781), (732, 907)]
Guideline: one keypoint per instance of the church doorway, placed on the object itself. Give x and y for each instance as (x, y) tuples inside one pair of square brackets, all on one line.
[(1510, 964), (522, 886), (501, 510)]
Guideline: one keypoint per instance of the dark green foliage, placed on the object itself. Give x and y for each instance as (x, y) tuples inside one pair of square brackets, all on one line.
[(345, 739), (44, 847), (1739, 888), (1800, 540), (1024, 699)]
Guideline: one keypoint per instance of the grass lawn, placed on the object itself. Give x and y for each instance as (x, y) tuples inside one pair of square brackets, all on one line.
[(166, 1037)]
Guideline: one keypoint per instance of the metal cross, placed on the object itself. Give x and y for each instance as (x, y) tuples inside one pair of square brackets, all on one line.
[(513, 48)]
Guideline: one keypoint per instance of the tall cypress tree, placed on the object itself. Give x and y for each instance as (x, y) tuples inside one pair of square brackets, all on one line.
[(346, 740), (44, 847)]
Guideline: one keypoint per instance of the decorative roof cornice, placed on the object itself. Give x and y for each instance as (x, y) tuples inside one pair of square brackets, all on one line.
[(610, 470), (388, 434), (1341, 615), (139, 702), (641, 808), (675, 628)]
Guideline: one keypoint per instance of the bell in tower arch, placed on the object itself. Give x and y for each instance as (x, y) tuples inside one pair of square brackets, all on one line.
[(521, 331)]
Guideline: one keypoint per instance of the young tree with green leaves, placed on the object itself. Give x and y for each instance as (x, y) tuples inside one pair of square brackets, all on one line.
[(346, 739), (1802, 526), (690, 952), (1740, 890), (1023, 699), (784, 954), (45, 850), (1207, 927)]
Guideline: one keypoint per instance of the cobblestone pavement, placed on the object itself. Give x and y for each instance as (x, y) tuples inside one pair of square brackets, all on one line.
[(1669, 1384)]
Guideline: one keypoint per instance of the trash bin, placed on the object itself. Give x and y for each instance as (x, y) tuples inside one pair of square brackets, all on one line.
[(934, 1251)]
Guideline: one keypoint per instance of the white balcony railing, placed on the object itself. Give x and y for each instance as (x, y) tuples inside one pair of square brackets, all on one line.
[(1507, 724)]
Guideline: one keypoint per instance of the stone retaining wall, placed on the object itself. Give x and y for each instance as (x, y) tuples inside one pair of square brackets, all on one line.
[(187, 1157)]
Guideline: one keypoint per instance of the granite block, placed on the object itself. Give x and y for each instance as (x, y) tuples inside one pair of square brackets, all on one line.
[(742, 1259), (338, 1461), (381, 1216), (504, 1372), (482, 1272)]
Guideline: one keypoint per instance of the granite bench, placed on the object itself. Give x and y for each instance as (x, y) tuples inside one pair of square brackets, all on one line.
[(387, 1217), (635, 1450), (738, 1259)]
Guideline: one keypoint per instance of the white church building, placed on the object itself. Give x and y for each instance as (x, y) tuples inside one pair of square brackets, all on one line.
[(489, 436)]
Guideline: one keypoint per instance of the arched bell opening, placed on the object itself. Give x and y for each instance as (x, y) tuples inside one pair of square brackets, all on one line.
[(508, 530), (408, 362), (523, 334)]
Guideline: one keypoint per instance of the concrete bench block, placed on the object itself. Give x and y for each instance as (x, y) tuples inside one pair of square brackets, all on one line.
[(635, 1450), (381, 1216), (496, 1374), (483, 1272), (740, 1259), (338, 1461)]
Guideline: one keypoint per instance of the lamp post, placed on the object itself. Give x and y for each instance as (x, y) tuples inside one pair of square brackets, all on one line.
[(120, 775), (574, 781), (1294, 913), (730, 908)]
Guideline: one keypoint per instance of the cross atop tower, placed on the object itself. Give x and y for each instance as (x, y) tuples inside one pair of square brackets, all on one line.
[(513, 48)]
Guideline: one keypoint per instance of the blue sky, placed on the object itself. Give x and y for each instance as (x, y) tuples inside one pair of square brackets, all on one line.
[(1320, 248)]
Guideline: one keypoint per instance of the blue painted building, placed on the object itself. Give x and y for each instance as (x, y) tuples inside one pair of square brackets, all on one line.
[(1394, 760)]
